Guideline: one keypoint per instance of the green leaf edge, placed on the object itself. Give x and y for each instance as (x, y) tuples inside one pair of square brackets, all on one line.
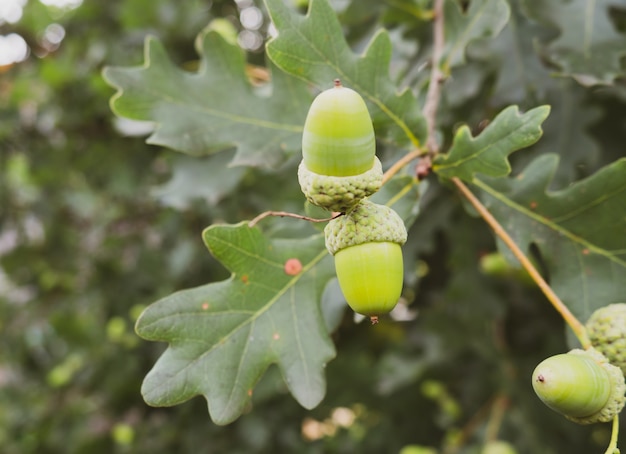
[(141, 332), (444, 168)]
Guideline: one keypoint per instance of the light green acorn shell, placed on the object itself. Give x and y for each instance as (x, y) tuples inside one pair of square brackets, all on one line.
[(368, 258), (582, 385), (606, 329), (338, 137), (371, 276)]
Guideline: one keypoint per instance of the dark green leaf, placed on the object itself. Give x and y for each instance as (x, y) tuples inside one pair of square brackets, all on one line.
[(579, 230), (487, 153), (588, 47), (313, 48), (223, 336), (215, 108)]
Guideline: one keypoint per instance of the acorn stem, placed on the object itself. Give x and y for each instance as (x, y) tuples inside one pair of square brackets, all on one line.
[(577, 327), (612, 448), (287, 214)]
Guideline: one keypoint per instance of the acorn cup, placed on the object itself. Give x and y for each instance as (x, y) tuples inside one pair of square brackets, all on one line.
[(607, 332), (581, 385), (339, 166), (366, 243)]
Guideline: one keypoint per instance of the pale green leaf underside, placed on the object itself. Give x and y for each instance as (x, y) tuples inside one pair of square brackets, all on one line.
[(215, 108), (579, 230), (223, 336), (487, 153), (313, 48)]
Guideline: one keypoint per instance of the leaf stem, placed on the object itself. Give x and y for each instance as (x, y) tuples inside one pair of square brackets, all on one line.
[(287, 214), (577, 327), (395, 168)]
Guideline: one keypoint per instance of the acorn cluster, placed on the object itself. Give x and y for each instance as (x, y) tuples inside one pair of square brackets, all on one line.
[(338, 172)]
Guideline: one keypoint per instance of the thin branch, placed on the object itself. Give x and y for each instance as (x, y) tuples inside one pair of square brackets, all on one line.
[(436, 78), (287, 214), (395, 168), (570, 319)]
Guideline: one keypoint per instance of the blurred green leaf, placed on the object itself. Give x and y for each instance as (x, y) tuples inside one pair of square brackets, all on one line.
[(487, 153), (402, 193), (566, 132), (215, 108), (588, 47), (483, 19), (208, 179), (521, 78), (313, 48)]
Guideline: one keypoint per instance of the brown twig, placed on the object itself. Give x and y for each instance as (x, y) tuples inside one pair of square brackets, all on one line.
[(287, 214), (436, 78), (577, 327)]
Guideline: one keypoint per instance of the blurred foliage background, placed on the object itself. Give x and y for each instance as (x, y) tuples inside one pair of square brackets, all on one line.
[(95, 225)]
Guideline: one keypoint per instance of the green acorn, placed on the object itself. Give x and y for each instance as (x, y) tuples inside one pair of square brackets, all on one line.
[(498, 447), (339, 166), (581, 385), (606, 329), (366, 243)]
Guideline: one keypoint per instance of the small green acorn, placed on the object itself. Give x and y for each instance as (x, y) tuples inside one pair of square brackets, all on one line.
[(581, 385), (606, 329), (366, 243), (498, 447), (339, 166)]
